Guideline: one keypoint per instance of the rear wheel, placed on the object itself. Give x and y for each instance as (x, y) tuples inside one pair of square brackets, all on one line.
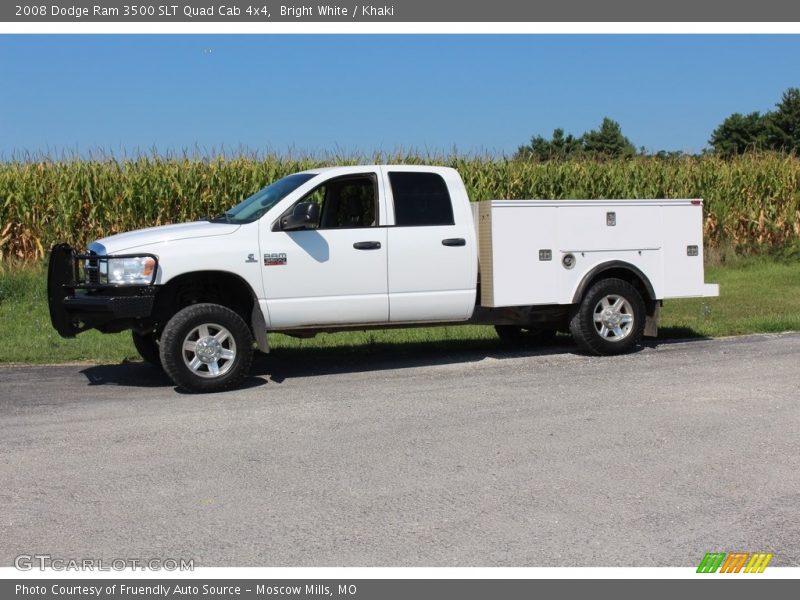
[(206, 348), (147, 346), (610, 318)]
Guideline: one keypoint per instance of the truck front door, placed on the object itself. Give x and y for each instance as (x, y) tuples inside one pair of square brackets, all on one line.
[(334, 273)]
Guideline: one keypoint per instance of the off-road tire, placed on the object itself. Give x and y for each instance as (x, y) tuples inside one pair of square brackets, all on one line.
[(174, 356), (583, 325)]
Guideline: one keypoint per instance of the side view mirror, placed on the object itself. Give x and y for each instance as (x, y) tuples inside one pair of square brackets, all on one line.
[(304, 216)]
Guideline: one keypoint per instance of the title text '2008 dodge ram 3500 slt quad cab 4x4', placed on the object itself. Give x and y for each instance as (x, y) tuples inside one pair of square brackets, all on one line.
[(363, 247)]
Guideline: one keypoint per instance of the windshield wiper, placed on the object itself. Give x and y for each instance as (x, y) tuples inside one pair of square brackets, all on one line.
[(220, 218)]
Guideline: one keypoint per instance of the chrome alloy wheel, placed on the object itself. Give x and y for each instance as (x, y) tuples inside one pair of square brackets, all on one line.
[(613, 318), (209, 350)]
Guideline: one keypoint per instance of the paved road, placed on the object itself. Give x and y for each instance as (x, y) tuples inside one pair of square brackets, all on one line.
[(517, 459)]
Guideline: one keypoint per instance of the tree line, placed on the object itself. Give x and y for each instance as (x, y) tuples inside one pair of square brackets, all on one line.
[(777, 130)]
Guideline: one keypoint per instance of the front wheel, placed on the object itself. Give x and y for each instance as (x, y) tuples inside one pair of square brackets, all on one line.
[(206, 348), (610, 318)]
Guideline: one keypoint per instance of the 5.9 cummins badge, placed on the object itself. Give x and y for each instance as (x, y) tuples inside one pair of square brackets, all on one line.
[(275, 259)]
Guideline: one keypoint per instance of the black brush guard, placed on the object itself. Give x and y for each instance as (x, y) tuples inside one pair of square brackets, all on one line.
[(76, 306)]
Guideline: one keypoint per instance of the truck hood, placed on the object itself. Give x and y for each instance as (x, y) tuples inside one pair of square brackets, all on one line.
[(124, 242)]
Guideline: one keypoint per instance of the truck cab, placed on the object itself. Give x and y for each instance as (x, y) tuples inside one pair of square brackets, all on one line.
[(385, 245)]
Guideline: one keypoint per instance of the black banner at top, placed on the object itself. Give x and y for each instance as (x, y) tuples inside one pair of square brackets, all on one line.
[(399, 11)]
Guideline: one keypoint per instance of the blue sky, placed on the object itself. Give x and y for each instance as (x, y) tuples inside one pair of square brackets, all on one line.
[(347, 93)]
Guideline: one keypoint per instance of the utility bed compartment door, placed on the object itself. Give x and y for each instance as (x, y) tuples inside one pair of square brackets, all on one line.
[(519, 257), (683, 251), (589, 227)]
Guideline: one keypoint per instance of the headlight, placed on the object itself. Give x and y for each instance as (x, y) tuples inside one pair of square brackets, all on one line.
[(119, 271), (134, 270)]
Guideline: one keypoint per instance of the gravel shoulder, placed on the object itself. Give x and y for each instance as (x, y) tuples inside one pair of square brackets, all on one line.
[(540, 458)]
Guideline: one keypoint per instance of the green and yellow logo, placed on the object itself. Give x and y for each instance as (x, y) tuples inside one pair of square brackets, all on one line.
[(734, 562)]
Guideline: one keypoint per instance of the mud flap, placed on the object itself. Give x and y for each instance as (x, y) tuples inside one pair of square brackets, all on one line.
[(259, 327), (651, 322)]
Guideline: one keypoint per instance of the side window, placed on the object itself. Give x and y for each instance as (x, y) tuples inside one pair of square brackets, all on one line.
[(347, 202), (420, 199)]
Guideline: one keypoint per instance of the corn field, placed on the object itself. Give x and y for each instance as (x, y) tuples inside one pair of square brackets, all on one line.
[(752, 203)]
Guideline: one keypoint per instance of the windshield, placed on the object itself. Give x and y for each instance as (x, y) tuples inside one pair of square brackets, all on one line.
[(258, 204)]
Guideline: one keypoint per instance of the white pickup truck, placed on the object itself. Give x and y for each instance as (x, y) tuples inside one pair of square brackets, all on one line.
[(377, 246)]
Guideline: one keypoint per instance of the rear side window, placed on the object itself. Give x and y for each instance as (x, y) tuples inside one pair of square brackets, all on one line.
[(420, 199)]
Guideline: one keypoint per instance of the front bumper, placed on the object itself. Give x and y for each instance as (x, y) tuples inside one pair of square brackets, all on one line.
[(76, 306)]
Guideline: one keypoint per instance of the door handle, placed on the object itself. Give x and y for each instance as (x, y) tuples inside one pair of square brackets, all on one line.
[(367, 245), (454, 242)]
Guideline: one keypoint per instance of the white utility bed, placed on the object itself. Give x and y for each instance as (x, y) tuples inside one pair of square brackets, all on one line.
[(523, 245)]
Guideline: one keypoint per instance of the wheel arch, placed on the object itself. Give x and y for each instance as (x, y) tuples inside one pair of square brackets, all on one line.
[(617, 269), (216, 286)]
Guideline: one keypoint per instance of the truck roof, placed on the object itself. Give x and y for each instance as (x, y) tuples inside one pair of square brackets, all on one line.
[(355, 168)]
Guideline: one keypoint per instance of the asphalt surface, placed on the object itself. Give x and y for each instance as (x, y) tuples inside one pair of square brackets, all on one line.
[(538, 458)]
